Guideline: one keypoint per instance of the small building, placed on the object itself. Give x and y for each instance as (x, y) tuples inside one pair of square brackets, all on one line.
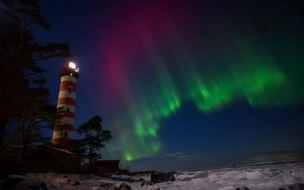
[(63, 160)]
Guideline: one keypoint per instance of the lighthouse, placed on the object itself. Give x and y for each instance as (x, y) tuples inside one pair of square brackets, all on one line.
[(63, 132)]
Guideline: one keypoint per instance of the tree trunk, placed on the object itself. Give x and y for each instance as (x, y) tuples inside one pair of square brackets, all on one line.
[(3, 123), (24, 150), (4, 110), (90, 157)]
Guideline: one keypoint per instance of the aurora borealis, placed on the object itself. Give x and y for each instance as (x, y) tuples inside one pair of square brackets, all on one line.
[(143, 64)]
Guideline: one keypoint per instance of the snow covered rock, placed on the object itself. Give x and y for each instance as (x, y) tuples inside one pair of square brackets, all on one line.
[(77, 183), (242, 188), (94, 188), (105, 184), (296, 186), (53, 186), (141, 179), (194, 176), (146, 183), (30, 184), (112, 187), (11, 180), (142, 183), (124, 186), (162, 177)]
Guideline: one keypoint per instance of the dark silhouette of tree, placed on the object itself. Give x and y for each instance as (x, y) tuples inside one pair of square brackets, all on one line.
[(94, 139), (21, 140), (19, 54), (30, 117)]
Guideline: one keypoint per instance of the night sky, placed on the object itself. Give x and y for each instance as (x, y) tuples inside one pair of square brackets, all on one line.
[(184, 84)]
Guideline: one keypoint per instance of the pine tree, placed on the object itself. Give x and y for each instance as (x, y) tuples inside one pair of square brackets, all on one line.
[(19, 54), (94, 139)]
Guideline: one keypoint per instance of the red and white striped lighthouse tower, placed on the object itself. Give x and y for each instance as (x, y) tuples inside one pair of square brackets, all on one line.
[(63, 133)]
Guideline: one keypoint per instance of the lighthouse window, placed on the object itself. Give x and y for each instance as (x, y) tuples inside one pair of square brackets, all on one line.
[(68, 110), (70, 89), (65, 134)]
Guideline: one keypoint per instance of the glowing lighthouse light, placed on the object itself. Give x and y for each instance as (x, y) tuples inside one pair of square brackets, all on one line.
[(72, 65)]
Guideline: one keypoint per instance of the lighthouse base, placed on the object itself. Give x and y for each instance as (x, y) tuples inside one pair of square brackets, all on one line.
[(62, 143)]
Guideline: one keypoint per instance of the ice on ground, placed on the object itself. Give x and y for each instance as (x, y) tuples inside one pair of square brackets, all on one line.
[(270, 177)]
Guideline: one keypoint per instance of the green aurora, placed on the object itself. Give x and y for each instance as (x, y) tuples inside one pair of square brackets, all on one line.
[(256, 79)]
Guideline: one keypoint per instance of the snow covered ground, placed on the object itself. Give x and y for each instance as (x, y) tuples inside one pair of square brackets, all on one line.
[(266, 177)]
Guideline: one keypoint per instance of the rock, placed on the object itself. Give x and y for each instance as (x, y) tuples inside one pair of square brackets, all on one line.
[(69, 180), (124, 186), (242, 188), (141, 179), (195, 176), (11, 180), (30, 184), (112, 187), (200, 175), (295, 186), (65, 176), (172, 178), (104, 184), (38, 186), (161, 177), (147, 183), (77, 183), (53, 186)]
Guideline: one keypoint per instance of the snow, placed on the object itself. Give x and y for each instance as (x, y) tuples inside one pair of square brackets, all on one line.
[(265, 177)]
